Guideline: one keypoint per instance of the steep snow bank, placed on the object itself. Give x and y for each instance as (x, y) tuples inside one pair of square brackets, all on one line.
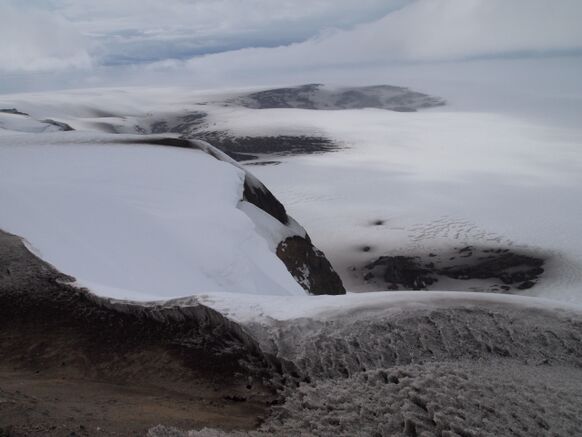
[(158, 222)]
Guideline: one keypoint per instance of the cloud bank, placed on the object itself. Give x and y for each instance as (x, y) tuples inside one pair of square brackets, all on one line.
[(427, 31), (237, 41), (39, 40)]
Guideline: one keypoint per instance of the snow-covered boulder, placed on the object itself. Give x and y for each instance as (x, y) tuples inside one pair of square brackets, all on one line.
[(151, 218)]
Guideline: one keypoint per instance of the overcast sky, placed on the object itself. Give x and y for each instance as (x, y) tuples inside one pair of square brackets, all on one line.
[(67, 43)]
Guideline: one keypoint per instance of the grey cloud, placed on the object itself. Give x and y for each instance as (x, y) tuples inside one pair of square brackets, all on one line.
[(425, 31)]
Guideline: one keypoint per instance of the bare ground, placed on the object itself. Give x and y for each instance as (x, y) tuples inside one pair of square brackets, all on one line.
[(74, 363)]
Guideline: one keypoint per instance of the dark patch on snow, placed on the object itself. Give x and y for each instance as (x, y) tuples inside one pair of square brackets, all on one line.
[(279, 145), (261, 197), (262, 163), (504, 269), (186, 125), (100, 113), (309, 266), (168, 141), (14, 111), (318, 96), (401, 271), (195, 126), (62, 126)]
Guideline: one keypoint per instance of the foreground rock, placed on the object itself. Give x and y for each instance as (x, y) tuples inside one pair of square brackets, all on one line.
[(73, 362)]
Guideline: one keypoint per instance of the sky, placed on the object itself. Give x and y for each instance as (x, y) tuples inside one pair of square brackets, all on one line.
[(209, 43)]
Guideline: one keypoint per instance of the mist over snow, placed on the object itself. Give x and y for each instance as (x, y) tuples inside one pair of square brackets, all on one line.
[(291, 217)]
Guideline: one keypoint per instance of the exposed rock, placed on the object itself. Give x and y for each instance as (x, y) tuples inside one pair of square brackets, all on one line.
[(404, 271), (309, 266), (513, 270), (62, 126), (13, 111), (509, 267), (243, 148), (195, 125), (261, 197), (50, 330), (33, 293), (319, 96)]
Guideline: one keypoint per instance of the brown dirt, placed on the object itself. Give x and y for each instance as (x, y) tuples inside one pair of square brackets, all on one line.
[(72, 363), (44, 405)]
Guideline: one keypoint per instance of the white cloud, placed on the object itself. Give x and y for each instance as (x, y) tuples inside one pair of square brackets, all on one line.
[(427, 30), (37, 40), (153, 30), (152, 41)]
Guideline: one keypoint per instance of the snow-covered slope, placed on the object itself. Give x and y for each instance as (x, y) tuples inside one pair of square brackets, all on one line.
[(399, 184), (12, 121), (140, 221)]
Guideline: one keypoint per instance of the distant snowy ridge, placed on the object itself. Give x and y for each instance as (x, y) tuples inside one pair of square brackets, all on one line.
[(12, 120), (226, 119), (320, 96)]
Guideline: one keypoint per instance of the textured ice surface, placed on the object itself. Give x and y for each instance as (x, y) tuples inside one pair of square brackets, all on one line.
[(457, 369)]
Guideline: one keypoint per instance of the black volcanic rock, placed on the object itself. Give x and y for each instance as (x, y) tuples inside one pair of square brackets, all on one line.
[(504, 269), (309, 266)]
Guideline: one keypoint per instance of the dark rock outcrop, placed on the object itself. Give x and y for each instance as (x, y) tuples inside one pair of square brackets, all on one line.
[(318, 96), (62, 344), (403, 271), (244, 148), (38, 301), (62, 126), (505, 269), (309, 266), (13, 111)]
